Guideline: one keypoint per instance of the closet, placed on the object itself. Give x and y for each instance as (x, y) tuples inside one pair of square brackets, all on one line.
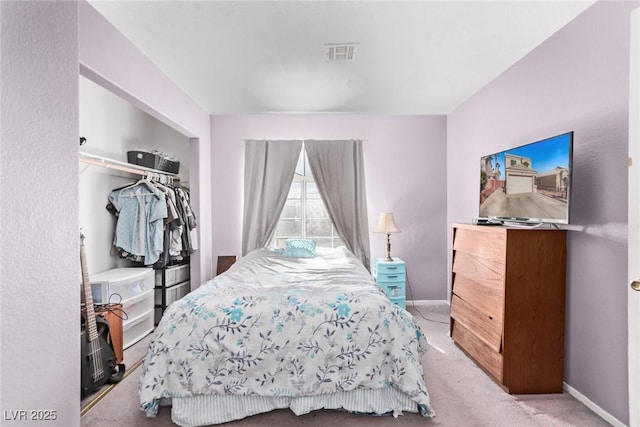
[(112, 127)]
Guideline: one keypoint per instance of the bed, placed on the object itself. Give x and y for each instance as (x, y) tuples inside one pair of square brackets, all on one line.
[(284, 332)]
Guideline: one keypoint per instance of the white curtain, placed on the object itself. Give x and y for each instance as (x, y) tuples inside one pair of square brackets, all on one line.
[(269, 167), (338, 170)]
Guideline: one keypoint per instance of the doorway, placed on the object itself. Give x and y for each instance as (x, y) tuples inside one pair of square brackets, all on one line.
[(634, 223)]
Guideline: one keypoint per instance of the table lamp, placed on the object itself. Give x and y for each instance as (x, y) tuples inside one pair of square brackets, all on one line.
[(387, 225)]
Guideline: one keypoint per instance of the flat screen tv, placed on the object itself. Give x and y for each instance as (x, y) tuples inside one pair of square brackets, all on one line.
[(529, 184)]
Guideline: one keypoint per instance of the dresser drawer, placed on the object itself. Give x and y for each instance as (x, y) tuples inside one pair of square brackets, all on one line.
[(487, 299), (482, 244), (481, 270), (485, 327), (488, 358)]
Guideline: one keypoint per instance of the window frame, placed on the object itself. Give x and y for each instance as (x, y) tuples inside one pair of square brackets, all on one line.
[(304, 176)]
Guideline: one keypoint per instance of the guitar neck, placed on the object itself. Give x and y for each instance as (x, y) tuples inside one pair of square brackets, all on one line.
[(92, 329)]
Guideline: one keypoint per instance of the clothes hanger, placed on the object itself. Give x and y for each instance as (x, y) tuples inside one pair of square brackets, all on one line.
[(146, 181)]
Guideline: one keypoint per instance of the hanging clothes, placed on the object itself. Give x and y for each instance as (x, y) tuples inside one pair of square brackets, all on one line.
[(155, 223), (173, 229), (189, 240), (140, 228)]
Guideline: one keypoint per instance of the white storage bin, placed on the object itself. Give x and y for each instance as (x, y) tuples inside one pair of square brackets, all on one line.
[(182, 273), (133, 330), (139, 305), (174, 293), (173, 275), (120, 284)]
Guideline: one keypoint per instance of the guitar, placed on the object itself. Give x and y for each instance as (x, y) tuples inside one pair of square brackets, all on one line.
[(98, 360)]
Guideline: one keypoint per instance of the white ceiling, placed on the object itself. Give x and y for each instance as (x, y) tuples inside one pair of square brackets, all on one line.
[(414, 57)]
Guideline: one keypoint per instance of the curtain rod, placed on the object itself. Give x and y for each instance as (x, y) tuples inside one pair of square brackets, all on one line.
[(105, 162)]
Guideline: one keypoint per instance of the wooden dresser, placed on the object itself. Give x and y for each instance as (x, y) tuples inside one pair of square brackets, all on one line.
[(507, 303)]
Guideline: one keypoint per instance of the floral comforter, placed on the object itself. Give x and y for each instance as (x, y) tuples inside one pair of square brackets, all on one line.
[(276, 326)]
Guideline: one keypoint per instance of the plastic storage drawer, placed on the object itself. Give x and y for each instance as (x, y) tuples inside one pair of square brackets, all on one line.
[(173, 293), (138, 305), (173, 275), (134, 329), (391, 276), (389, 270), (120, 284)]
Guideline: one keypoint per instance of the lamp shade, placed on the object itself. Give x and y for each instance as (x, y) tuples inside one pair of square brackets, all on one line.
[(386, 224)]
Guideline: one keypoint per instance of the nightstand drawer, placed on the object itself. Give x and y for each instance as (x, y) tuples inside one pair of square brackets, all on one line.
[(393, 290), (399, 301), (390, 267), (391, 277)]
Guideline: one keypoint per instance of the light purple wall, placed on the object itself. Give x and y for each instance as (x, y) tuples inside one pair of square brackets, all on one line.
[(40, 271), (577, 80), (40, 303), (405, 174)]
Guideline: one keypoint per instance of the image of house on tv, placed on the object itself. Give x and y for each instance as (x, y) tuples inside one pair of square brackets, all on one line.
[(530, 182)]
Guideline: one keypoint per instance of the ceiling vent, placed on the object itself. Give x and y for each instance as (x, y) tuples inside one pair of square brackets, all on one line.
[(340, 52)]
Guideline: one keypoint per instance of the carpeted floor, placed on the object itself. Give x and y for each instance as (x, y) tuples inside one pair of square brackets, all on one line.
[(461, 394), (132, 358)]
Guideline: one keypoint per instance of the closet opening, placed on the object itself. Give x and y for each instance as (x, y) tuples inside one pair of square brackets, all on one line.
[(112, 127)]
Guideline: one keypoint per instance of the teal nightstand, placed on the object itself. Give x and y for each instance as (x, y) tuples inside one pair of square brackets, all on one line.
[(391, 276)]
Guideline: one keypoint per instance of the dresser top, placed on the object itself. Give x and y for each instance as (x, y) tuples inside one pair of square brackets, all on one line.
[(504, 228)]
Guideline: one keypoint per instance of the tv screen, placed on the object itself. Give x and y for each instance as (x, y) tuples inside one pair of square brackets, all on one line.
[(528, 184)]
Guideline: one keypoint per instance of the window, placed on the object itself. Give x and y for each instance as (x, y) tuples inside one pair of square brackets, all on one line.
[(304, 215)]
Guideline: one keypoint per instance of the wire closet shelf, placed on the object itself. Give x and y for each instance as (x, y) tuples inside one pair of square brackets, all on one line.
[(153, 174)]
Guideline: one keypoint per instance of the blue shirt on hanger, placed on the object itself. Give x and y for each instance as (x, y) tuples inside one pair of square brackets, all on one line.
[(139, 229)]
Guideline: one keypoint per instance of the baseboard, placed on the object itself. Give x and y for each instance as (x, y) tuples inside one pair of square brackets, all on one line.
[(595, 408), (427, 302)]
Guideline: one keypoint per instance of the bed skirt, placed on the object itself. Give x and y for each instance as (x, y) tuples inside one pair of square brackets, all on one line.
[(205, 410)]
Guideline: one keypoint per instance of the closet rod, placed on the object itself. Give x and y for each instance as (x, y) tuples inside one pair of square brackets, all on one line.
[(92, 159)]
